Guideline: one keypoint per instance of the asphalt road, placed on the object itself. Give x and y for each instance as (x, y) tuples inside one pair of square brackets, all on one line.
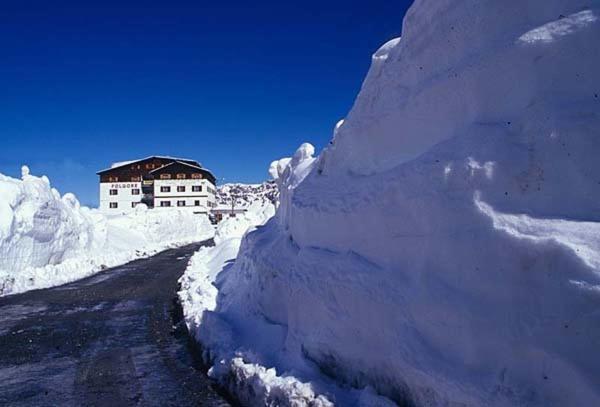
[(114, 339)]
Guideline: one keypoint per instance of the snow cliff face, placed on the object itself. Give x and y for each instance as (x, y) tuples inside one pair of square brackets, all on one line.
[(444, 249)]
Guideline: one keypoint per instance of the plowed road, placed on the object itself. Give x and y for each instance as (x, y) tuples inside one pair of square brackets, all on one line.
[(113, 339)]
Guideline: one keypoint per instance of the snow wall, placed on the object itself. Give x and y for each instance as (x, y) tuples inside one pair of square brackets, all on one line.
[(38, 226), (445, 248)]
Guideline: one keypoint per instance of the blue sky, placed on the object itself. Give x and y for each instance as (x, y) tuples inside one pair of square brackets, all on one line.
[(233, 84)]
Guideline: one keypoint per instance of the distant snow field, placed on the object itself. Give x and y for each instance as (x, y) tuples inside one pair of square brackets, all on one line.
[(243, 195), (443, 249), (47, 239)]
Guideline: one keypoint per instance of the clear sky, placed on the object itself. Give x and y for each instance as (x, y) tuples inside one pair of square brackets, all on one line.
[(233, 84)]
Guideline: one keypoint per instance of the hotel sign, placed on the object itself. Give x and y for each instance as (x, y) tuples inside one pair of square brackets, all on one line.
[(123, 185)]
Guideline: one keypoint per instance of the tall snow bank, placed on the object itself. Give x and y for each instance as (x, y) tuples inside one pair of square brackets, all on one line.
[(461, 65), (246, 378), (245, 373), (37, 226), (443, 250), (46, 239)]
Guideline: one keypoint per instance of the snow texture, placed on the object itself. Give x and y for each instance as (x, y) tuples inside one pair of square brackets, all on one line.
[(443, 250), (243, 195), (47, 240), (239, 369)]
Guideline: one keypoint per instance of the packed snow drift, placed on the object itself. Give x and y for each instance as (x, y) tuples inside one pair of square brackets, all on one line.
[(47, 239), (444, 249)]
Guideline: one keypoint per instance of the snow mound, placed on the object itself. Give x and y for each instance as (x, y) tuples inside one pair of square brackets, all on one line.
[(47, 240), (37, 226), (444, 248)]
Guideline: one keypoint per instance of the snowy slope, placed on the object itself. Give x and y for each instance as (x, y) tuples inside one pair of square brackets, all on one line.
[(243, 195), (47, 240), (444, 249)]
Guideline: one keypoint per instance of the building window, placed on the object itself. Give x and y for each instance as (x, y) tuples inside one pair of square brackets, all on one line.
[(113, 205), (134, 204), (113, 179), (180, 176), (165, 189), (181, 189), (180, 203), (165, 176), (196, 203), (165, 203), (135, 191), (196, 176), (113, 192), (196, 188), (136, 179)]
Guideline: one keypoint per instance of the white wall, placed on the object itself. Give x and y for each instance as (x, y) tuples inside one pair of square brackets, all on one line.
[(206, 196), (124, 197), (189, 204)]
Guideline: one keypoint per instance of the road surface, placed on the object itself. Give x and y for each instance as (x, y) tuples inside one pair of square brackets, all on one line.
[(114, 339)]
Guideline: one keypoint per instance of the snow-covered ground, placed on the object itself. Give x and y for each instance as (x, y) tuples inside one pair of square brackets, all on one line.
[(444, 249), (200, 282), (243, 195), (47, 240)]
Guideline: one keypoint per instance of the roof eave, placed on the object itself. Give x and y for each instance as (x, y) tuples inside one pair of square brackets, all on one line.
[(164, 157)]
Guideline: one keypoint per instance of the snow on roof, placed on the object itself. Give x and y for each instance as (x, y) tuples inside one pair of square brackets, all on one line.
[(189, 165), (166, 157), (122, 163)]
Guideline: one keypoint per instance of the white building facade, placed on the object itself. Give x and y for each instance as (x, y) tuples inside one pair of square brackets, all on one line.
[(158, 182), (120, 196), (176, 187)]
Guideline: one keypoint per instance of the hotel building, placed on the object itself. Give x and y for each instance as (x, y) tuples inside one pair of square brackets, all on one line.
[(158, 182)]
